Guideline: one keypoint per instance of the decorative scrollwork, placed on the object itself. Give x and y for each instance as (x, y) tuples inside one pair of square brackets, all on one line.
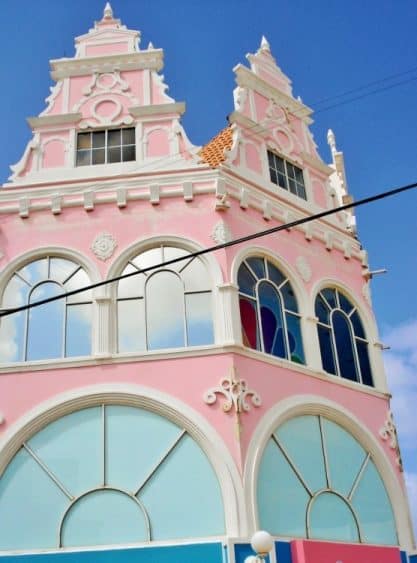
[(389, 432), (236, 394)]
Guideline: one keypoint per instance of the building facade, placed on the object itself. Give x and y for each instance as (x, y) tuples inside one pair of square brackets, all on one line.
[(188, 398)]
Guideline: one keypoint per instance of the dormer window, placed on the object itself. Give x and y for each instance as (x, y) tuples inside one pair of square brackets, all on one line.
[(107, 146), (286, 175)]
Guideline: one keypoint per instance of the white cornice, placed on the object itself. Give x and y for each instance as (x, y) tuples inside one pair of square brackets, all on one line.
[(61, 119), (63, 68), (245, 122), (247, 79), (317, 164), (142, 111)]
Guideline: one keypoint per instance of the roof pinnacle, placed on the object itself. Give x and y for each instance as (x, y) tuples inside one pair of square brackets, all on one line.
[(265, 44), (108, 12), (331, 139)]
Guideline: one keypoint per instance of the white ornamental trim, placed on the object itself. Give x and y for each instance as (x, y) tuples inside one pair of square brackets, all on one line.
[(104, 246), (235, 392), (304, 268), (221, 233), (366, 292), (389, 432)]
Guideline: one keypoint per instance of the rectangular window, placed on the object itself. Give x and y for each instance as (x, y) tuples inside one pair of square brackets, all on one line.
[(286, 175), (103, 147)]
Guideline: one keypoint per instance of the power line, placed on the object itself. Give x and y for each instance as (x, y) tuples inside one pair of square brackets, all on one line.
[(247, 238)]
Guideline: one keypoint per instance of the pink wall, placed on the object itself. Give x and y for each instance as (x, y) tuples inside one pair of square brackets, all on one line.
[(323, 552)]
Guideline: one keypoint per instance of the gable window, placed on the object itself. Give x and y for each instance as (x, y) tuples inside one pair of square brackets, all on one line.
[(269, 310), (104, 147), (286, 175), (343, 343)]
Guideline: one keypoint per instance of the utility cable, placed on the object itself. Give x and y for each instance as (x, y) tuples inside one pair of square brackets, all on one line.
[(247, 238)]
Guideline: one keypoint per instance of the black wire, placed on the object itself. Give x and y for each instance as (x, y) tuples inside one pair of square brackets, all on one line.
[(240, 240)]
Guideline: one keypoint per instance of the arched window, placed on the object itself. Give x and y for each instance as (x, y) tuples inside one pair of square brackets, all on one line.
[(108, 474), (316, 481), (57, 329), (343, 344), (167, 307), (269, 310)]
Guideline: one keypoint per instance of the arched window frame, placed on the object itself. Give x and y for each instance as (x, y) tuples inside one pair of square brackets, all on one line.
[(277, 287), (354, 336), (14, 268)]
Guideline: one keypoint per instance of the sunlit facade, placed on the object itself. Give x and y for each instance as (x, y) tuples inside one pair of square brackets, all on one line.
[(174, 401)]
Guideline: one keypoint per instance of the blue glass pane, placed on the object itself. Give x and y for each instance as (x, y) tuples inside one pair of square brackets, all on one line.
[(275, 275), (373, 508), (165, 315), (282, 500), (344, 346), (357, 325), (31, 505), (179, 504), (72, 448), (332, 519), (45, 338), (78, 338), (301, 439), (246, 281), (326, 349), (61, 269), (79, 280), (330, 296), (12, 331), (322, 310), (258, 266), (345, 304), (271, 320), (131, 325), (290, 302), (136, 441), (16, 293), (104, 518), (294, 339), (362, 348), (198, 307), (344, 457), (35, 272)]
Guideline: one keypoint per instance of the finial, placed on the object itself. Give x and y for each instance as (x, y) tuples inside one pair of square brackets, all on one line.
[(150, 46), (331, 140), (264, 44), (108, 12)]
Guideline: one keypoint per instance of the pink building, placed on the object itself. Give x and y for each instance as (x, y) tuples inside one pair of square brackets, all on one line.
[(171, 414)]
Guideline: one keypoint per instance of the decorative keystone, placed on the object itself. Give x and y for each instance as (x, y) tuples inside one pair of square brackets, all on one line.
[(235, 392), (389, 432)]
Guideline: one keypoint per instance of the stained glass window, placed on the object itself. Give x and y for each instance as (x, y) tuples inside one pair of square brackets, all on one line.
[(343, 344), (108, 474), (269, 310), (169, 307), (60, 328), (316, 481)]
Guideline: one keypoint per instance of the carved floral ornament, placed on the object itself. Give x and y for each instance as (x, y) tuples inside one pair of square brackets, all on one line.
[(221, 233), (303, 268), (104, 246), (388, 432), (235, 394)]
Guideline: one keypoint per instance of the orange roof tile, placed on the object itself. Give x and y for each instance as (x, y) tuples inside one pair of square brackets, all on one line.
[(213, 152)]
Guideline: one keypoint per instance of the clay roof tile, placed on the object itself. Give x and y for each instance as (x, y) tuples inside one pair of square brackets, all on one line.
[(213, 152)]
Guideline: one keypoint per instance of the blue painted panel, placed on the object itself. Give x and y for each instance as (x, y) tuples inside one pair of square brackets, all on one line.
[(196, 553), (283, 552)]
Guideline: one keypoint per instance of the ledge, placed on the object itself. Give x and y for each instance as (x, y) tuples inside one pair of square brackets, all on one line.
[(159, 109), (61, 119)]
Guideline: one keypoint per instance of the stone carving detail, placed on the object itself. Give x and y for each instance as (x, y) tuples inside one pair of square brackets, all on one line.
[(104, 246), (389, 432), (235, 394), (366, 292), (304, 268), (221, 233)]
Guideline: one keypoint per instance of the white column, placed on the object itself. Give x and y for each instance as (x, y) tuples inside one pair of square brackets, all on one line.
[(103, 324), (311, 343), (228, 327)]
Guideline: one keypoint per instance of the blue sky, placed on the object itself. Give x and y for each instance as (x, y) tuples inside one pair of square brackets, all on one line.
[(327, 48)]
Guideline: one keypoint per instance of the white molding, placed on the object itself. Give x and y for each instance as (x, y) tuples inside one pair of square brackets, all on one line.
[(317, 405), (177, 108), (144, 397), (60, 119)]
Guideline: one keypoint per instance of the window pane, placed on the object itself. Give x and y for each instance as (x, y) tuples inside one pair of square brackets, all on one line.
[(301, 191), (257, 265), (16, 293), (290, 302), (114, 138), (344, 346), (271, 319), (173, 252), (195, 276), (151, 257), (78, 338), (301, 439), (36, 271), (98, 156), (322, 310), (246, 281), (282, 499), (330, 296), (294, 339), (357, 325), (12, 331), (79, 280), (165, 311), (60, 269), (133, 286), (131, 323), (199, 319), (332, 519), (282, 181), (104, 517), (273, 175), (275, 275), (250, 329), (279, 164), (99, 139), (83, 158), (270, 158), (114, 154), (345, 304), (326, 349), (292, 186), (46, 324), (128, 153), (362, 348), (128, 136), (84, 141)]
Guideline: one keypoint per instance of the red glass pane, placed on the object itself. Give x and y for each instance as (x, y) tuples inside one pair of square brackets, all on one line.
[(249, 326)]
